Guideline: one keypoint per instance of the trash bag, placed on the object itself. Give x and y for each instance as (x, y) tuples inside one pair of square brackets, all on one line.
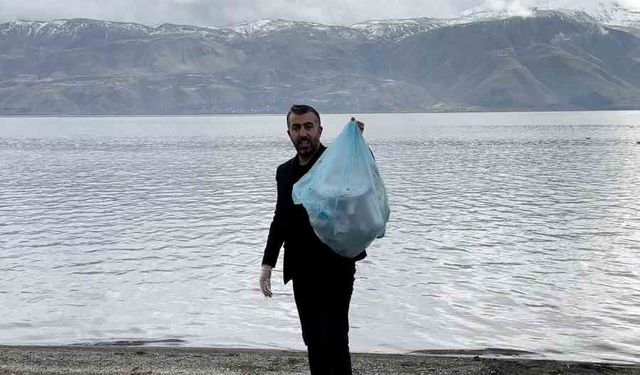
[(344, 195)]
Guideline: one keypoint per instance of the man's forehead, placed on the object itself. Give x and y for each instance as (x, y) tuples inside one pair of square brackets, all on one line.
[(302, 119)]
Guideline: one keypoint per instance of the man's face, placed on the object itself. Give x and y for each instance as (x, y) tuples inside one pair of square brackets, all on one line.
[(304, 132)]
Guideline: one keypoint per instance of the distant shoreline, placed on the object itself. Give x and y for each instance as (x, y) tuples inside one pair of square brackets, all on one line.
[(156, 360), (325, 113)]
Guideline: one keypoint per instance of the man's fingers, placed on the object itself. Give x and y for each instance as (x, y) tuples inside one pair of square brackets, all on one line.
[(265, 280), (265, 286), (268, 288)]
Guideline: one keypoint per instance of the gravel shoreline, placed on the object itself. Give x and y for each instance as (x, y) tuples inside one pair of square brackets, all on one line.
[(138, 360)]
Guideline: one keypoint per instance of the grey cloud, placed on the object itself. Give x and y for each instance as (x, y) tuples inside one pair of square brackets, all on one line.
[(632, 4)]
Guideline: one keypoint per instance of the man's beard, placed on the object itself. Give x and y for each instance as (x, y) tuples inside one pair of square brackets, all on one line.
[(305, 146)]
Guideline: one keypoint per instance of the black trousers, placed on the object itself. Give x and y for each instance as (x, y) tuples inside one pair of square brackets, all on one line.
[(323, 307)]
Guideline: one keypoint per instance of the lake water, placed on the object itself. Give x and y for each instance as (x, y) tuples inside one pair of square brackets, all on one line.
[(518, 231)]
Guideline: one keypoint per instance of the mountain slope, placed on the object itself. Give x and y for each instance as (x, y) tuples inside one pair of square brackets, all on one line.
[(534, 63), (553, 60)]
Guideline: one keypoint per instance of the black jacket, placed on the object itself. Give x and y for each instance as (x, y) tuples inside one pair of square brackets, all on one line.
[(304, 253)]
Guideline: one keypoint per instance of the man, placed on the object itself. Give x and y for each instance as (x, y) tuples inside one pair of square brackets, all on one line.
[(322, 280)]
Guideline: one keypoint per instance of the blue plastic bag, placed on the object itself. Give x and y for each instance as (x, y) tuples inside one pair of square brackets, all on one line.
[(344, 195)]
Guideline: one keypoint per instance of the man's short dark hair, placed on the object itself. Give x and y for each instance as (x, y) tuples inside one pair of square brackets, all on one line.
[(301, 109)]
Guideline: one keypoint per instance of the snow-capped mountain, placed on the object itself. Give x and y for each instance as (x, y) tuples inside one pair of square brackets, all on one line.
[(388, 30), (552, 60), (265, 27), (394, 30), (608, 12), (77, 29), (173, 29), (477, 15), (71, 27)]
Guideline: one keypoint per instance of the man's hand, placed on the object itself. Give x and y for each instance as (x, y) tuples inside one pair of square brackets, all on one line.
[(359, 123), (265, 281)]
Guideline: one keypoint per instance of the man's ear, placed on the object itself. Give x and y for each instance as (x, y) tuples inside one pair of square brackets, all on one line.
[(320, 130)]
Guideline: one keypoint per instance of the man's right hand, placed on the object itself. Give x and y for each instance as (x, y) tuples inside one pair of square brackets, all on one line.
[(265, 281)]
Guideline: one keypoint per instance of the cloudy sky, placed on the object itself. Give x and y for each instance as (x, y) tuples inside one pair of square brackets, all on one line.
[(224, 12)]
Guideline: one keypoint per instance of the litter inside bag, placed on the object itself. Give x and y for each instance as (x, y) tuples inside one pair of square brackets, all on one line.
[(344, 195)]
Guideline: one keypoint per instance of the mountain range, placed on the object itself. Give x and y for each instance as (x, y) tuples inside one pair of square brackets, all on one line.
[(487, 59)]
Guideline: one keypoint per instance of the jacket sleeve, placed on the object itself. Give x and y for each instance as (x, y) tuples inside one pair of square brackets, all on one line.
[(276, 230)]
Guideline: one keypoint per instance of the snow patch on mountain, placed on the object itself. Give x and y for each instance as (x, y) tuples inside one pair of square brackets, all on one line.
[(261, 28), (188, 30), (265, 26), (69, 27), (394, 30)]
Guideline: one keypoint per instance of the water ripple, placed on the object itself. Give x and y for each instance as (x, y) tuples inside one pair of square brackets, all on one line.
[(524, 238)]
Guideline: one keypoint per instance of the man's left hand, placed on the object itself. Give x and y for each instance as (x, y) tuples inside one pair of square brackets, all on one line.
[(265, 280)]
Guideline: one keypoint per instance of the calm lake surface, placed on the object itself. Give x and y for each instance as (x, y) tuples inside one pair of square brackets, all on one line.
[(518, 231)]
